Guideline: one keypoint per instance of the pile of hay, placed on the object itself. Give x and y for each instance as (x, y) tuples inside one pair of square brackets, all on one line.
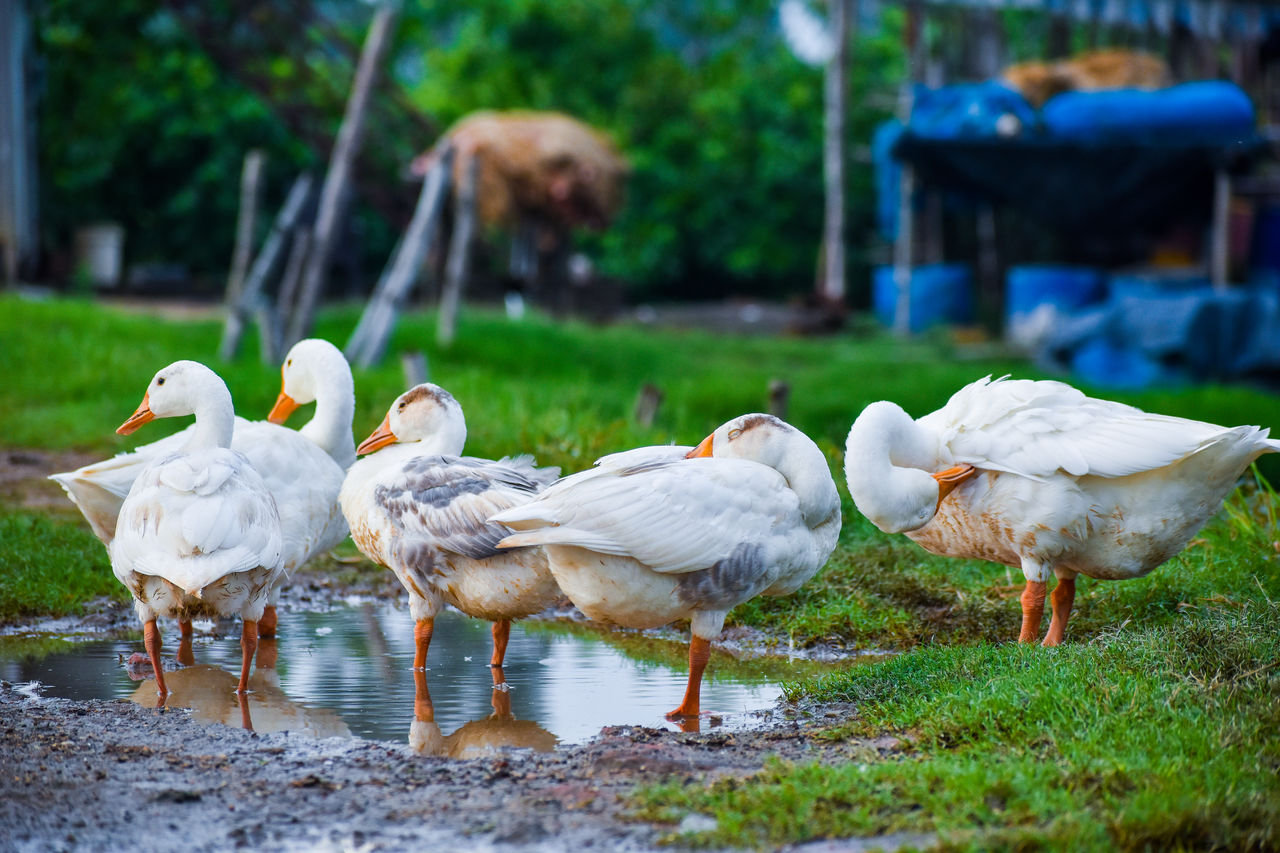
[(539, 166), (1088, 72)]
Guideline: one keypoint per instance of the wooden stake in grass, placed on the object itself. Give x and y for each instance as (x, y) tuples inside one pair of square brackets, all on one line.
[(779, 397), (647, 403), (459, 263), (414, 366), (264, 266), (368, 342)]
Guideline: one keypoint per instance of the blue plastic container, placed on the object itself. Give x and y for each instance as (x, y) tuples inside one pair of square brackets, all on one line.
[(1210, 111), (1107, 365), (1066, 288), (1161, 285), (940, 294)]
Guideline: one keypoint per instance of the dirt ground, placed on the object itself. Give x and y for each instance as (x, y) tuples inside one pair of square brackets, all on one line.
[(114, 776), (110, 775)]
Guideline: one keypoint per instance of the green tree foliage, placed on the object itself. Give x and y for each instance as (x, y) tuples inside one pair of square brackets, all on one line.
[(722, 126), (137, 126)]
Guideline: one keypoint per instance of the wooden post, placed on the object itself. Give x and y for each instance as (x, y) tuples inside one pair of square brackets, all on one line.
[(369, 341), (904, 246), (988, 256), (1219, 246), (647, 403), (779, 398), (414, 366), (345, 149), (246, 222), (288, 291), (458, 267), (264, 265), (835, 99)]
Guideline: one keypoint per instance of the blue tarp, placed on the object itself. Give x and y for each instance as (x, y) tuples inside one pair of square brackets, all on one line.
[(1088, 162)]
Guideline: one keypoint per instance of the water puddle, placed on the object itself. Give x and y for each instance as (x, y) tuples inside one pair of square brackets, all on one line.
[(347, 672)]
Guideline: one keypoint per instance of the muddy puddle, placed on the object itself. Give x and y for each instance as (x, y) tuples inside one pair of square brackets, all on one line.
[(347, 672)]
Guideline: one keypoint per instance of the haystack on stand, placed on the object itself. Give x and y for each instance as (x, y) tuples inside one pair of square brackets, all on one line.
[(535, 175)]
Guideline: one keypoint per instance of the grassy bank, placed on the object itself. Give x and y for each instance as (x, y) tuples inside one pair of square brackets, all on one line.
[(1157, 727)]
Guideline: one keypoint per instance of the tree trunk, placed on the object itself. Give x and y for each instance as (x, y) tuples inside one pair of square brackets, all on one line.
[(334, 192)]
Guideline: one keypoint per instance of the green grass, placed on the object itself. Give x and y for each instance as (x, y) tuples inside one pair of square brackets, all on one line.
[(1161, 730), (50, 567), (1157, 726)]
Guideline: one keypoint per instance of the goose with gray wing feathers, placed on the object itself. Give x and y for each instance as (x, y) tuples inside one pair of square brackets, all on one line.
[(663, 533), (420, 508)]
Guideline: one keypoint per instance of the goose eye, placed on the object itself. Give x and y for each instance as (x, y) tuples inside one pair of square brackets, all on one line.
[(288, 363), (400, 407), (734, 433), (160, 381)]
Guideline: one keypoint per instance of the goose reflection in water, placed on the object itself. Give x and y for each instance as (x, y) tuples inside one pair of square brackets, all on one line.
[(209, 692), (499, 730)]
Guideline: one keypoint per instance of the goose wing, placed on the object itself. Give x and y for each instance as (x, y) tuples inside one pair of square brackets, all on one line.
[(445, 502), (1037, 428), (304, 480), (674, 517), (192, 518)]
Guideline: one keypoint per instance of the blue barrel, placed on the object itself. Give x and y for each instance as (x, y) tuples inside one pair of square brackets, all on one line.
[(1037, 296), (1157, 285), (1063, 287), (940, 294)]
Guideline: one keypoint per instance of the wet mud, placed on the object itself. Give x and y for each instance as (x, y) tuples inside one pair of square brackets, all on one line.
[(112, 775)]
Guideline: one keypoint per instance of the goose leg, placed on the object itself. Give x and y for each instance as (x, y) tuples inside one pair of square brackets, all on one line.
[(501, 699), (268, 650), (1064, 595), (185, 655), (1032, 610), (422, 630), (248, 647), (267, 624), (423, 710), (501, 634), (699, 654), (151, 639), (246, 722)]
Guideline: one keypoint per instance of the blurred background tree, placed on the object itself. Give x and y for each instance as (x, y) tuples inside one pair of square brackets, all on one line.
[(722, 126)]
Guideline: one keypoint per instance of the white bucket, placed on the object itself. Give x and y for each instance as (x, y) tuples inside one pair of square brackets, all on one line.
[(100, 252)]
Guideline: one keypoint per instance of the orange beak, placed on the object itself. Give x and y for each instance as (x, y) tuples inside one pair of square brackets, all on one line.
[(380, 438), (703, 448), (141, 415), (285, 406), (952, 477)]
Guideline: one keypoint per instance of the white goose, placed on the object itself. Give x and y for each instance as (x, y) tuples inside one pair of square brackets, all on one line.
[(1036, 475), (198, 534), (664, 533), (421, 509), (303, 468)]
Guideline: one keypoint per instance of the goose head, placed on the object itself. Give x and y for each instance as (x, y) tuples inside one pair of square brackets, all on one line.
[(425, 414), (305, 370), (887, 462), (186, 388), (772, 441)]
